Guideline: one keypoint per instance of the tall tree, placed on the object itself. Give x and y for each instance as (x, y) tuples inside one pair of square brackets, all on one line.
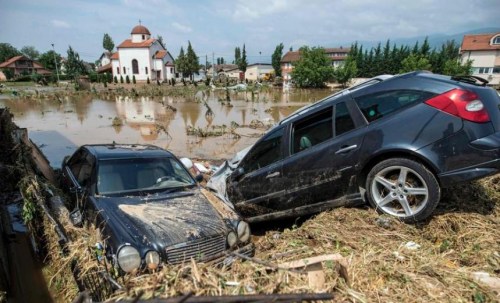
[(74, 65), (107, 43), (425, 48), (276, 59), (181, 63), (7, 51), (237, 55), (30, 52), (160, 40), (346, 72), (192, 62), (313, 68), (243, 61), (218, 61), (414, 62), (47, 60)]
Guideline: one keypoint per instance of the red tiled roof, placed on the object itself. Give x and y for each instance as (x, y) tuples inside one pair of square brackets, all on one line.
[(115, 56), (129, 44), (11, 60), (160, 54), (104, 68), (337, 50), (478, 42), (140, 30), (293, 56)]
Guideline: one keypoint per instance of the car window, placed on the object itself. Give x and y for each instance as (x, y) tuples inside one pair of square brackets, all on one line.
[(141, 174), (343, 119), (75, 163), (312, 130), (378, 105), (85, 171), (266, 152)]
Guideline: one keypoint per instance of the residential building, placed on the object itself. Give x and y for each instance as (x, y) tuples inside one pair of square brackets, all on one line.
[(104, 63), (221, 68), (257, 71), (22, 65), (143, 57), (337, 57), (484, 51)]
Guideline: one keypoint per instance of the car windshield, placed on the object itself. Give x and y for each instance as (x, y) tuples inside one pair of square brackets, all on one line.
[(141, 175)]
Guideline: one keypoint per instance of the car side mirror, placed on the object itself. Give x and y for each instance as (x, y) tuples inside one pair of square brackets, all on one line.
[(199, 178), (76, 217)]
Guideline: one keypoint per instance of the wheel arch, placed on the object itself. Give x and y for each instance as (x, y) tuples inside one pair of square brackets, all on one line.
[(388, 154)]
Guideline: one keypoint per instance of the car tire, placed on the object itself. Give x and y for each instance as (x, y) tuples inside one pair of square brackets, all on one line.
[(403, 188)]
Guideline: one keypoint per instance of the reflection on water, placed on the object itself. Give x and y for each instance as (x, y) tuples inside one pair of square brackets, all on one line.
[(161, 121)]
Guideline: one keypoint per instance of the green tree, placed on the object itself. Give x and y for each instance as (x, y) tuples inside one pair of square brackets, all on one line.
[(121, 79), (243, 61), (313, 68), (276, 59), (181, 63), (127, 79), (192, 63), (107, 43), (47, 60), (30, 52), (453, 67), (74, 65), (237, 56), (7, 51), (115, 79), (346, 72), (133, 79), (414, 62)]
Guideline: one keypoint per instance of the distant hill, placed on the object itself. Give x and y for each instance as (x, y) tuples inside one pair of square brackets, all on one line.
[(434, 40)]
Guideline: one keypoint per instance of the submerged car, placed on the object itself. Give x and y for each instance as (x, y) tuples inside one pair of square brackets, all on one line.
[(149, 208), (393, 140)]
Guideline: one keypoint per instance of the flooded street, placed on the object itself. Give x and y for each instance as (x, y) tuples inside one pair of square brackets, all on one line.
[(162, 121)]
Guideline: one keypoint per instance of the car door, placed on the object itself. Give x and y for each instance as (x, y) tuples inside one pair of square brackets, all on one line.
[(322, 156), (257, 182)]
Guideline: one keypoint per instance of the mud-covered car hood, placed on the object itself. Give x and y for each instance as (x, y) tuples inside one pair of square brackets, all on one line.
[(159, 220)]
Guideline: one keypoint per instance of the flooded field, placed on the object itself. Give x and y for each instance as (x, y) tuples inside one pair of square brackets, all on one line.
[(162, 121)]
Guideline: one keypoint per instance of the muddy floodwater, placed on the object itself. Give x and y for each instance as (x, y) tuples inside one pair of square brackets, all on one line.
[(162, 121)]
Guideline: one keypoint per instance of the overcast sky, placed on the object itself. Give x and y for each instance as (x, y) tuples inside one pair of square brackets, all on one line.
[(219, 26)]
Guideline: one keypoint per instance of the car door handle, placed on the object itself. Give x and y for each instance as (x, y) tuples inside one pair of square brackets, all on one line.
[(345, 149), (273, 175)]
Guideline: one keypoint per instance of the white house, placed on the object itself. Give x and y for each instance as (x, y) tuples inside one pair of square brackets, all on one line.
[(143, 57), (484, 51), (258, 70)]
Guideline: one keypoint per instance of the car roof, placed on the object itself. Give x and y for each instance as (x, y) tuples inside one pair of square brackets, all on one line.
[(126, 151)]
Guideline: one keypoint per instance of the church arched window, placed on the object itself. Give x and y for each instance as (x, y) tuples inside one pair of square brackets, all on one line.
[(135, 67)]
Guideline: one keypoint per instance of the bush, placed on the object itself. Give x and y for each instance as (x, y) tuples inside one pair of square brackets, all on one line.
[(121, 79), (148, 82), (133, 79), (109, 77), (9, 74), (115, 79), (127, 79), (173, 81), (94, 77)]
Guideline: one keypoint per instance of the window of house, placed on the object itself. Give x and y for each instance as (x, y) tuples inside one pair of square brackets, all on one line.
[(171, 70), (312, 130), (265, 152), (496, 40), (484, 70), (381, 104), (124, 71), (117, 70), (135, 67), (143, 37), (343, 120), (496, 70), (146, 68)]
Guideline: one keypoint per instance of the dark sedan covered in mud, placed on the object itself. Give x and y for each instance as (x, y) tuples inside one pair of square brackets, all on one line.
[(395, 141), (149, 208)]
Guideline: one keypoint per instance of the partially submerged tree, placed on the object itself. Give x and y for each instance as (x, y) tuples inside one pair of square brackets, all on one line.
[(276, 59), (107, 43), (74, 65), (313, 68), (243, 63), (344, 74)]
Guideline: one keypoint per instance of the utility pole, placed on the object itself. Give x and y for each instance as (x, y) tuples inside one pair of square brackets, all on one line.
[(55, 61), (213, 65)]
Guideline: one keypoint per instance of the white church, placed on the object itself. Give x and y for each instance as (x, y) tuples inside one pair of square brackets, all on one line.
[(143, 57)]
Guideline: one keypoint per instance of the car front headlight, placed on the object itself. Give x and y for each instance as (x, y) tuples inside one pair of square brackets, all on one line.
[(243, 231), (152, 259), (128, 258), (232, 239)]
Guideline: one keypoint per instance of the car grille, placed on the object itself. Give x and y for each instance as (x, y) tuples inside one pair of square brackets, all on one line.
[(200, 250)]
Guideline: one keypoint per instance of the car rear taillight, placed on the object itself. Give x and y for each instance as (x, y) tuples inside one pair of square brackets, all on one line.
[(461, 103)]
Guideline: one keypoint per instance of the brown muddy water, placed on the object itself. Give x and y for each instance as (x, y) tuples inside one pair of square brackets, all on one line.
[(87, 120)]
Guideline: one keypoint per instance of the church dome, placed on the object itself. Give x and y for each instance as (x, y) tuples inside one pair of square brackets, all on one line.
[(140, 30)]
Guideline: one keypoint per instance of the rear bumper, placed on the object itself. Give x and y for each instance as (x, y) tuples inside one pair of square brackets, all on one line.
[(470, 173)]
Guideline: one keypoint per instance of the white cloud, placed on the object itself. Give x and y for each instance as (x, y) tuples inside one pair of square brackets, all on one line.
[(181, 28), (60, 23)]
